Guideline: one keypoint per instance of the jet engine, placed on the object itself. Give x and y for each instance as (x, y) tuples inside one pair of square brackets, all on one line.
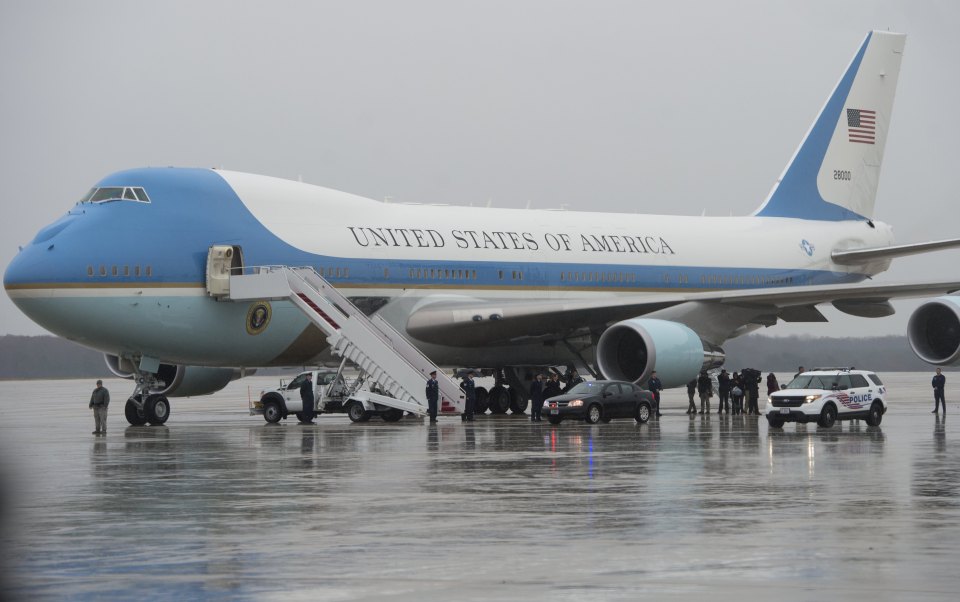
[(934, 331), (181, 381), (632, 349)]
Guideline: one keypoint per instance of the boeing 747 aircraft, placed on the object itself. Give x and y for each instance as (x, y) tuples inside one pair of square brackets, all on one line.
[(500, 290)]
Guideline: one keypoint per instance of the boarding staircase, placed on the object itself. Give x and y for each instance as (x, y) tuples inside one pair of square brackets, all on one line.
[(383, 356)]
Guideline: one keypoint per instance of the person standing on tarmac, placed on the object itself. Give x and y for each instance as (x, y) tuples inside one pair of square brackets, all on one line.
[(724, 386), (536, 398), (705, 389), (573, 380), (433, 396), (552, 388), (306, 396), (939, 382), (691, 391), (470, 395), (655, 386), (99, 400)]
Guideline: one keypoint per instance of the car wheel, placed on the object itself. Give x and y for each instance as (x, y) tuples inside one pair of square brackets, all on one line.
[(593, 415), (775, 422), (272, 412), (875, 415), (553, 419), (827, 416), (643, 412)]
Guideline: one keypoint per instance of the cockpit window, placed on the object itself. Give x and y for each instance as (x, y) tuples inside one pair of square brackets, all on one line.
[(107, 194)]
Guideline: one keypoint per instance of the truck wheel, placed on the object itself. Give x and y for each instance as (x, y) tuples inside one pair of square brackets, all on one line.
[(156, 409), (875, 415), (518, 404), (272, 412), (499, 400), (827, 416), (356, 413), (135, 415), (392, 415)]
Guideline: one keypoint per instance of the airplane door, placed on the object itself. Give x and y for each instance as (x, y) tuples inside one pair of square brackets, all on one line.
[(222, 261)]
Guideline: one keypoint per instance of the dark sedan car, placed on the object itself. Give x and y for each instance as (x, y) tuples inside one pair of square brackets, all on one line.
[(598, 400)]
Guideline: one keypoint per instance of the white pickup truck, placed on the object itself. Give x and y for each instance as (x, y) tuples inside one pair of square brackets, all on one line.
[(332, 393)]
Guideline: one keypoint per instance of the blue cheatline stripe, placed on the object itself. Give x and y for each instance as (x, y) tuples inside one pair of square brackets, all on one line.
[(797, 195)]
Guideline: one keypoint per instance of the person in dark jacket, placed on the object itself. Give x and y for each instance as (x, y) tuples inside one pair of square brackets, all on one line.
[(751, 384), (99, 400), (470, 395), (552, 388), (772, 384), (705, 389), (433, 395), (573, 380), (939, 382), (736, 393), (723, 390), (691, 391), (306, 396), (536, 398), (655, 386)]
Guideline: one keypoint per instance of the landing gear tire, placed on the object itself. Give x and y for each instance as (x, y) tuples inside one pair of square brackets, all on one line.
[(775, 422), (594, 414), (156, 409), (499, 399), (827, 416), (482, 402), (643, 413), (272, 412), (875, 415), (518, 404), (553, 419), (356, 413), (392, 415), (135, 415)]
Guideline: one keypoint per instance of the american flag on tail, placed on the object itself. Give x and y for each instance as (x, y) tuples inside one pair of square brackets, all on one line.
[(862, 125)]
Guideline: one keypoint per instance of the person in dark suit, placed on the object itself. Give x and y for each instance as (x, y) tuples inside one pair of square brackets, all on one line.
[(433, 396), (655, 386), (552, 388), (306, 396), (536, 398), (939, 382), (470, 395)]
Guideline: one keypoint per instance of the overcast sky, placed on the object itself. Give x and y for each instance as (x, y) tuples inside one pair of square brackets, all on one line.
[(665, 107)]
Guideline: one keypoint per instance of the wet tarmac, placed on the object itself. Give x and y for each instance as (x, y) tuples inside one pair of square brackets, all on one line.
[(220, 505)]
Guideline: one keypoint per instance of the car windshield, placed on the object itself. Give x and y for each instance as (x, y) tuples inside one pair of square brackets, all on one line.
[(585, 388), (814, 381)]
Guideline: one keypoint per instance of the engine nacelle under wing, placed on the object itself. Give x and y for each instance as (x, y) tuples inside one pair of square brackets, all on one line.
[(934, 331), (632, 349), (181, 381)]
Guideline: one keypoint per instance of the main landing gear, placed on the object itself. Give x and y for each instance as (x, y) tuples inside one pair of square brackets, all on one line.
[(145, 407)]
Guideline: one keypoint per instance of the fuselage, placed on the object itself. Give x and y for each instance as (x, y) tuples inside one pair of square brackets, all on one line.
[(128, 276)]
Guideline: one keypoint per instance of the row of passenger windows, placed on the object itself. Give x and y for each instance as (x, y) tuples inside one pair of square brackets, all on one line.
[(437, 274), (120, 270), (745, 280), (597, 277)]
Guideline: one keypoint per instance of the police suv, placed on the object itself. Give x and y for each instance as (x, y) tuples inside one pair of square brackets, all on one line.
[(826, 395)]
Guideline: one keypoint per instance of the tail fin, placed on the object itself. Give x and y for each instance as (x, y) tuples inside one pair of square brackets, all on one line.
[(833, 175)]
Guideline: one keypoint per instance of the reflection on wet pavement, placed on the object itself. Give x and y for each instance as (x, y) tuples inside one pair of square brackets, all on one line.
[(218, 504)]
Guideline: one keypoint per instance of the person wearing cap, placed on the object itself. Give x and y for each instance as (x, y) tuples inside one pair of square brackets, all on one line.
[(433, 395), (470, 393), (99, 401)]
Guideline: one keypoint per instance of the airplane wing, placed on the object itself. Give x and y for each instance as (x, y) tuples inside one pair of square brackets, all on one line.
[(483, 322)]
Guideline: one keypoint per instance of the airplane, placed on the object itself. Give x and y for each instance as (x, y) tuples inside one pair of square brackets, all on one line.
[(505, 291)]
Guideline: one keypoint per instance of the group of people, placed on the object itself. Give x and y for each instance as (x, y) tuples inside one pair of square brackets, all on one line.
[(732, 391)]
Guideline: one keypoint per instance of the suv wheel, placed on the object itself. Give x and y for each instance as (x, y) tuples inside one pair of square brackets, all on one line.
[(775, 422), (876, 414), (828, 416)]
